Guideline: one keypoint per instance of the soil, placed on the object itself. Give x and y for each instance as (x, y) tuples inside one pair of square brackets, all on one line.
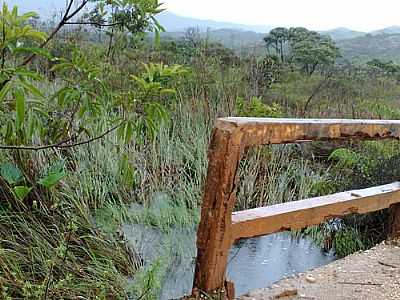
[(373, 274)]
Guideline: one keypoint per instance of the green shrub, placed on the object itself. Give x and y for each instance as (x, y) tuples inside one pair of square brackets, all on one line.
[(257, 108)]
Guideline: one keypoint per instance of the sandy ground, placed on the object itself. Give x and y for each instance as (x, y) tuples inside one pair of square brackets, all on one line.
[(373, 274)]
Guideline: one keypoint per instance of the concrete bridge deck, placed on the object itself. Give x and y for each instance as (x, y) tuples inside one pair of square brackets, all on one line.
[(370, 275)]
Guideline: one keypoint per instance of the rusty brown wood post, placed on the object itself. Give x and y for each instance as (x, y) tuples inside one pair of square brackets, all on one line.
[(394, 229), (214, 237)]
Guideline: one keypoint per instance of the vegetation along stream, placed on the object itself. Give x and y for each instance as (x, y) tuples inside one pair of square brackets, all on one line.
[(105, 121)]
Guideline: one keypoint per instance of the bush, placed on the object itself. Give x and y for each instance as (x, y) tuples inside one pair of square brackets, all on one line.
[(257, 108)]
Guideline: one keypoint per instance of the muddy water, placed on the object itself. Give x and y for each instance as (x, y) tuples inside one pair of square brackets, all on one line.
[(253, 263)]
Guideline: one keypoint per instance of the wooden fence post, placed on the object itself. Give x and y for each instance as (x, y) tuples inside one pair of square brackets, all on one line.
[(394, 229), (214, 234)]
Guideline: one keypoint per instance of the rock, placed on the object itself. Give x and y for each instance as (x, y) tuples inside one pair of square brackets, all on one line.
[(286, 293), (310, 278)]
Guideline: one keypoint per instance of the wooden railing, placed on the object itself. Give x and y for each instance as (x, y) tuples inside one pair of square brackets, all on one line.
[(220, 227)]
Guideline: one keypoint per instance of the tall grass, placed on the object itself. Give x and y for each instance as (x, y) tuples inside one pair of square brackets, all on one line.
[(60, 253), (277, 174)]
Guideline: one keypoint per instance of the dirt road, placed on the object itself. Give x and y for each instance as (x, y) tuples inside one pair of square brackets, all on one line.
[(370, 275)]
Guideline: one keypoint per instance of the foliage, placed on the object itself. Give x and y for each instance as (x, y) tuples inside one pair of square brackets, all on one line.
[(277, 39), (387, 67), (146, 109), (271, 70), (135, 16), (347, 241), (42, 224), (308, 49), (346, 158), (366, 165), (125, 16), (276, 175), (256, 108)]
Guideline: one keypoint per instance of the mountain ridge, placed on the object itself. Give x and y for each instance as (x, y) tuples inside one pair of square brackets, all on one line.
[(173, 23)]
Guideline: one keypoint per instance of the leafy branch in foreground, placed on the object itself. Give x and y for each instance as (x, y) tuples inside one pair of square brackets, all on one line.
[(63, 144)]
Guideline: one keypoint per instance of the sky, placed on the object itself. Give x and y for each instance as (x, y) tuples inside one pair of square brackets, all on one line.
[(364, 15)]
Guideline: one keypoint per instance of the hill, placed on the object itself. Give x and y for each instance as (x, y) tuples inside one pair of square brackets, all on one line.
[(387, 30), (358, 49), (172, 22), (239, 40), (342, 33), (364, 48)]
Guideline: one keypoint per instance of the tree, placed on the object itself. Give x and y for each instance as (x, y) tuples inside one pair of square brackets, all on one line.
[(387, 68), (314, 50), (130, 16), (85, 95), (297, 45), (277, 39)]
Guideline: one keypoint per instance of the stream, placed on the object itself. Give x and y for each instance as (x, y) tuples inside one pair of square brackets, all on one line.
[(253, 263)]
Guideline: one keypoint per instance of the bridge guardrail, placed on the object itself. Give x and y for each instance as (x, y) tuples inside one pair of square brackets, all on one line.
[(220, 227)]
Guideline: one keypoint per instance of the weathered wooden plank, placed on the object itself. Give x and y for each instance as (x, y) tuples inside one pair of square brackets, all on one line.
[(249, 120), (262, 131), (313, 211)]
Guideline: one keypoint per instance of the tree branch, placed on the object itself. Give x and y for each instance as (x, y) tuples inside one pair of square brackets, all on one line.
[(315, 92), (94, 24), (62, 144), (67, 16)]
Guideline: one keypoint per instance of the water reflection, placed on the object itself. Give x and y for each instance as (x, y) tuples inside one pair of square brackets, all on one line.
[(259, 262), (253, 263)]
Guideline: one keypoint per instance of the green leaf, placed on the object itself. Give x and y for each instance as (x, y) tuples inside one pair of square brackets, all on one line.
[(52, 178), (121, 132), (62, 67), (4, 91), (21, 71), (21, 191), (168, 91), (128, 132), (28, 15), (36, 35), (31, 88), (34, 50), (157, 38), (157, 25), (19, 108), (11, 173)]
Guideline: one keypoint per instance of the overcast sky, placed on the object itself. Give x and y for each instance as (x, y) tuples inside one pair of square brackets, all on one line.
[(362, 15), (314, 14)]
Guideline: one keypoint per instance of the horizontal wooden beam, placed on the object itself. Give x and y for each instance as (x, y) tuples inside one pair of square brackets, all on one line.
[(262, 131), (313, 211)]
